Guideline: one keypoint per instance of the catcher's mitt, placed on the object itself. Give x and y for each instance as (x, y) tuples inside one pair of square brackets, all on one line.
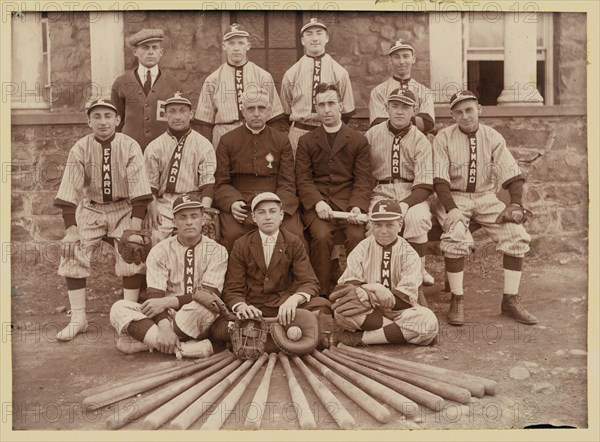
[(248, 337), (211, 301), (349, 300), (308, 323), (513, 213), (135, 252)]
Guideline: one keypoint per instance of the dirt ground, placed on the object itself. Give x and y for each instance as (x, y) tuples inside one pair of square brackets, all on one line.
[(48, 377)]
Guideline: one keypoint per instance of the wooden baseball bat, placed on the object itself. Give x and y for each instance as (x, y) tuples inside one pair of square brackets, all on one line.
[(261, 395), (374, 388), (197, 408), (304, 413), (335, 408), (443, 389), (338, 214), (412, 394), (361, 398), (220, 414), (147, 404), (178, 403), (476, 387), (116, 394)]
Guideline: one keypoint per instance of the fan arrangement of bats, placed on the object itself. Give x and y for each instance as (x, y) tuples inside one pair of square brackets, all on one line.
[(183, 393)]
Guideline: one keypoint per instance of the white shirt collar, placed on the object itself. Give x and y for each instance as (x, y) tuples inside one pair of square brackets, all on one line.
[(254, 131), (333, 129), (142, 72), (264, 237)]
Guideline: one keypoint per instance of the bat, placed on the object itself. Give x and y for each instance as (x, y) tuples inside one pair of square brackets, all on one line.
[(305, 417), (338, 214), (262, 392)]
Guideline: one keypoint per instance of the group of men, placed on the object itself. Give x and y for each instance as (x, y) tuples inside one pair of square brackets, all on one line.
[(282, 198)]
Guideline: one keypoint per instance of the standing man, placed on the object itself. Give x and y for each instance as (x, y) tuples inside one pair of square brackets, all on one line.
[(298, 88), (179, 161), (470, 160), (402, 57), (140, 94), (403, 167), (185, 277), (107, 169), (220, 103), (252, 159), (333, 172)]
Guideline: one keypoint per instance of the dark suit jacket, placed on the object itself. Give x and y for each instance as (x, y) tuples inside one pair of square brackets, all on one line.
[(340, 175), (248, 280)]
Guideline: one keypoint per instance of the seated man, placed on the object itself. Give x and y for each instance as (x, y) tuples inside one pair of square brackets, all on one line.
[(376, 302), (269, 273), (180, 269)]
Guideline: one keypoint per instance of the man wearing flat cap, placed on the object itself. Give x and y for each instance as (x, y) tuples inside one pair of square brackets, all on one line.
[(402, 58), (298, 88), (140, 93), (220, 104)]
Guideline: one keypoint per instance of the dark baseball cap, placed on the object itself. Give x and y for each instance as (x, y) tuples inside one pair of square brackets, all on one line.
[(461, 96), (313, 23), (406, 97), (385, 210), (101, 103), (187, 201)]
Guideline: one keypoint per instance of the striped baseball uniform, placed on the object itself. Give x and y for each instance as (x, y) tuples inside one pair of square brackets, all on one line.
[(406, 160), (381, 92), (180, 166), (177, 270), (298, 92), (397, 267), (473, 165), (220, 106), (107, 178)]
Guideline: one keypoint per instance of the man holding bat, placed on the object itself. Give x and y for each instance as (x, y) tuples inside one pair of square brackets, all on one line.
[(376, 299)]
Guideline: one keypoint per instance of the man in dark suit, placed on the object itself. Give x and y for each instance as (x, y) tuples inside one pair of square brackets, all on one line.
[(333, 173)]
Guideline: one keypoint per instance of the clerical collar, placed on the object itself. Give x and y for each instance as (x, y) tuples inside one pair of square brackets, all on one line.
[(238, 65), (469, 133), (316, 57), (401, 80), (254, 131), (179, 133), (333, 129), (107, 141), (402, 131)]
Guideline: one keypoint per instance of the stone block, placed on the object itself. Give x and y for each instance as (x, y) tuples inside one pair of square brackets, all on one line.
[(572, 135), (377, 66), (388, 32), (49, 228), (570, 220), (556, 166), (50, 171), (17, 203), (42, 203), (368, 44), (567, 194), (23, 175), (532, 194), (21, 229)]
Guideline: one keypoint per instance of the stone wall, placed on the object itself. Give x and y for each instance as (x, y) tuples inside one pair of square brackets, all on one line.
[(570, 41)]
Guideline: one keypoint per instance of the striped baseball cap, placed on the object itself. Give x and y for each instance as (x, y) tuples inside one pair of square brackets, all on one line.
[(145, 36), (313, 22), (187, 201), (385, 210), (400, 44), (265, 196), (406, 97), (101, 103), (461, 96), (178, 98), (235, 30)]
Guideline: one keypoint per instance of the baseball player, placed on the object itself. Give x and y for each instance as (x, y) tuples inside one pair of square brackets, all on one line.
[(107, 168), (470, 160), (139, 94), (376, 301), (298, 88), (220, 103), (185, 273), (402, 165), (179, 161), (402, 57), (251, 159)]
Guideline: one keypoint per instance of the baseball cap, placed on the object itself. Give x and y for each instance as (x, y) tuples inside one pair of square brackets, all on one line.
[(187, 201), (265, 196), (178, 99), (235, 30), (314, 22), (461, 96), (101, 103), (145, 36), (400, 44), (385, 210), (406, 97)]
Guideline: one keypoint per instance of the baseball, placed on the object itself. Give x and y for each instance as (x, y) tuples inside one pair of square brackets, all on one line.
[(294, 333)]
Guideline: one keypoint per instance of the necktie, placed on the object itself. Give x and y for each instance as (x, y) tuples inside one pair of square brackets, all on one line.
[(147, 83), (268, 249)]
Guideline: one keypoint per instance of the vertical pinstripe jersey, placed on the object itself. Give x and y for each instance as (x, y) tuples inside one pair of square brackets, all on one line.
[(416, 163), (490, 165), (166, 265), (381, 92), (219, 99), (364, 266), (299, 82), (91, 170), (197, 163)]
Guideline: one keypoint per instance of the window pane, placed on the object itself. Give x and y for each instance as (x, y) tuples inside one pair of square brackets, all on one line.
[(486, 30), (542, 18), (486, 79)]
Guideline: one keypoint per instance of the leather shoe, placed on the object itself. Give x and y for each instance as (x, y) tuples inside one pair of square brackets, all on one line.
[(456, 312), (511, 306)]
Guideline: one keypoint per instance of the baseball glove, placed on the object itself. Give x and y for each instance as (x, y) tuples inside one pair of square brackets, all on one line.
[(513, 213), (135, 252), (211, 301), (248, 338), (308, 323), (349, 300)]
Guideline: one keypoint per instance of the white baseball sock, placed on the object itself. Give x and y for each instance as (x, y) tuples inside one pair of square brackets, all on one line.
[(512, 280), (131, 294), (78, 322), (456, 282)]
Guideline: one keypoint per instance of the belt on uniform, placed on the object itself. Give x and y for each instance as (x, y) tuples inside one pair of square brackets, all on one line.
[(304, 126), (107, 202), (394, 181)]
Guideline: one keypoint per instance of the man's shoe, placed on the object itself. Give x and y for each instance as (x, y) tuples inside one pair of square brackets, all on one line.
[(511, 306), (352, 339), (195, 349), (129, 345), (428, 280), (76, 325), (456, 312)]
